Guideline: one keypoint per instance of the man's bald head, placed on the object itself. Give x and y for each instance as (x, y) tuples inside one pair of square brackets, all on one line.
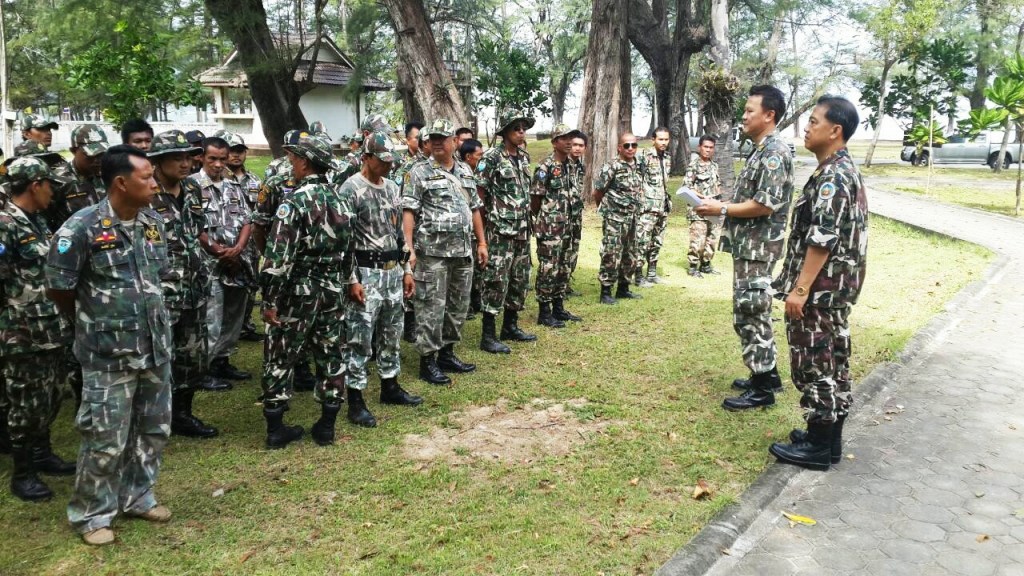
[(627, 146), (626, 137)]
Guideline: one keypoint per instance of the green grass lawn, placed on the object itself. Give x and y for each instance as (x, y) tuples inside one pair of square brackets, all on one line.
[(973, 188), (653, 372)]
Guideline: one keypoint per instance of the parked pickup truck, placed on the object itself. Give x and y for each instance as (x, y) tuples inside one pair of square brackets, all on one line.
[(983, 149)]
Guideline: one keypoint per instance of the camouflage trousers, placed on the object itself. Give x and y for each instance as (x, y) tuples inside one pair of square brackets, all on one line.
[(225, 313), (619, 254), (125, 420), (646, 230), (553, 266), (191, 355), (33, 391), (442, 300), (658, 235), (314, 324), (575, 235), (703, 241), (819, 356), (752, 313), (478, 274), (507, 275), (382, 315)]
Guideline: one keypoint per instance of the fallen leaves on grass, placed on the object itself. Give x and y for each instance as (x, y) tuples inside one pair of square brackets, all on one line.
[(702, 490), (634, 481), (795, 519)]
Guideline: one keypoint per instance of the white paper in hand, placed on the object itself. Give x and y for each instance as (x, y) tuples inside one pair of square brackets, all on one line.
[(689, 196)]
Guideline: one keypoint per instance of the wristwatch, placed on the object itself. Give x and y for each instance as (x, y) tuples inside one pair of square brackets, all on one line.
[(725, 210), (801, 290)]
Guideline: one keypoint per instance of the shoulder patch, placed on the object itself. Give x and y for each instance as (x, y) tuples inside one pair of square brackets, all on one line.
[(481, 165), (826, 190), (541, 174), (3, 249), (772, 163), (63, 244), (284, 211)]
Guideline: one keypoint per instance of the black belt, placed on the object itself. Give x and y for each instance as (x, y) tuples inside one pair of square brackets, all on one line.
[(386, 259)]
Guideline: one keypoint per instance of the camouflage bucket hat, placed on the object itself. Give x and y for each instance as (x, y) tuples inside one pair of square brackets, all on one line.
[(29, 121), (90, 139), (440, 127), (381, 146), (561, 130), (314, 148), (292, 136), (31, 169), (170, 142), (510, 118), (233, 140), (374, 123)]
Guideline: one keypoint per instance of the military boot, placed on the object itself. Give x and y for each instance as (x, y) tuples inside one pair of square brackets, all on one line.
[(278, 434), (46, 462), (798, 436), (606, 295), (706, 268), (302, 377), (183, 423), (758, 396), (814, 452), (447, 361), (430, 372), (510, 329), (5, 434), (774, 380), (323, 431), (652, 273), (392, 393), (640, 280), (25, 483), (488, 338), (409, 331), (211, 384), (558, 311), (222, 368), (693, 271), (358, 413), (546, 318), (624, 292)]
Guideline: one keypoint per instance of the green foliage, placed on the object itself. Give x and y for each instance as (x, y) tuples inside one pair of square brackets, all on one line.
[(508, 79), (983, 119)]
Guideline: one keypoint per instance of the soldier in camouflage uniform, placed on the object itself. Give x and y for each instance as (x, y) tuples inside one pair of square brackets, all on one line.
[(577, 170), (353, 161), (305, 269), (441, 213), (88, 143), (755, 226), (104, 269), (195, 138), (381, 281), (702, 177), (38, 128), (398, 175), (471, 152), (33, 336), (619, 191), (656, 205), (186, 284), (503, 175), (551, 197), (821, 278)]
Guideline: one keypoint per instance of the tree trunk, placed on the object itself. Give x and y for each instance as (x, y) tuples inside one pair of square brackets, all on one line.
[(767, 69), (410, 107), (1002, 147), (559, 92), (433, 88), (983, 53), (275, 93), (719, 119), (883, 93)]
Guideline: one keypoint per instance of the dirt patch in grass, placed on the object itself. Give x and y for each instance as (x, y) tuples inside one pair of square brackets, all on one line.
[(500, 433)]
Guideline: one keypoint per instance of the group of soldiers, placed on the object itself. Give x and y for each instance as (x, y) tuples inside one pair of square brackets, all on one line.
[(146, 259)]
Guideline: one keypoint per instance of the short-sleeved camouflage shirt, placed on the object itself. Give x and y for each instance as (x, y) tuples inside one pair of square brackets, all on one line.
[(623, 185), (443, 202), (505, 182), (657, 167), (702, 177), (227, 212), (377, 210), (832, 213), (250, 185), (186, 283), (552, 181)]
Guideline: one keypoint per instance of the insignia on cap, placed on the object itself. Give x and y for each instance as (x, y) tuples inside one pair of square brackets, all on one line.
[(181, 138), (283, 211), (63, 245), (106, 223)]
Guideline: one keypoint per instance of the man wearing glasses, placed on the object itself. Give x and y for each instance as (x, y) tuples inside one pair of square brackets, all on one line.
[(618, 191)]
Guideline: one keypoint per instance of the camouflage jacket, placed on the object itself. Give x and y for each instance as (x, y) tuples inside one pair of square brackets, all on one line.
[(767, 178), (250, 185), (657, 166), (308, 248), (71, 198), (227, 212), (29, 321), (350, 167), (121, 321), (187, 280), (832, 213), (702, 177), (443, 202), (273, 191), (577, 170), (276, 166), (506, 192), (377, 214), (408, 161), (553, 183), (623, 186)]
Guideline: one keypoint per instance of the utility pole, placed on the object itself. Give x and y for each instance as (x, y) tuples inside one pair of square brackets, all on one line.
[(5, 136)]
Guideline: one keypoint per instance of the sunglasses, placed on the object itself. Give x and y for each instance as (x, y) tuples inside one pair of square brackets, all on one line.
[(628, 145)]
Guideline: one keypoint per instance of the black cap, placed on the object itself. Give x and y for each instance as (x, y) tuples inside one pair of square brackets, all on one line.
[(195, 137)]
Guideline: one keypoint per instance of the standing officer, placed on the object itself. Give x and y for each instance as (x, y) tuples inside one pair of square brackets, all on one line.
[(441, 212), (550, 202), (250, 184), (305, 270), (577, 169), (88, 143), (104, 270), (382, 280), (650, 228), (755, 226), (33, 336), (702, 177), (826, 259), (179, 202), (504, 180), (618, 191)]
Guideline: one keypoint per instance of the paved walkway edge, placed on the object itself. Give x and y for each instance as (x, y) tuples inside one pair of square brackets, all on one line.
[(706, 548)]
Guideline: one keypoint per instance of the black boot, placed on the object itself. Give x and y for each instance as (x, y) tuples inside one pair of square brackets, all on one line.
[(429, 371), (558, 311), (358, 413), (797, 436), (640, 280), (706, 268), (510, 329), (758, 396), (774, 380), (652, 273), (322, 431), (814, 452), (392, 393), (211, 384), (606, 295), (489, 340), (623, 292), (183, 423), (5, 435), (449, 362), (546, 318), (693, 271), (279, 435), (46, 462), (302, 377), (25, 483), (409, 331), (222, 368)]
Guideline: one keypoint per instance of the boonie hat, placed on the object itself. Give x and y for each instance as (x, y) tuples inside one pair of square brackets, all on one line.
[(170, 142), (90, 139)]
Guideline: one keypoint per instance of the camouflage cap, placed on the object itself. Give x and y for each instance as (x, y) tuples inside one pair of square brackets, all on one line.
[(509, 118), (170, 142), (31, 169), (233, 139), (380, 145), (315, 148), (440, 127), (195, 137), (374, 123), (292, 136), (90, 139), (29, 121), (561, 130), (30, 148), (357, 137), (317, 127)]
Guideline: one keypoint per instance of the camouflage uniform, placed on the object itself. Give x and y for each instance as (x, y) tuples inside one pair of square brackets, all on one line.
[(653, 218), (702, 177), (622, 184), (552, 183), (755, 245), (250, 184), (576, 172), (276, 166), (84, 190), (505, 181), (123, 340), (832, 214)]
